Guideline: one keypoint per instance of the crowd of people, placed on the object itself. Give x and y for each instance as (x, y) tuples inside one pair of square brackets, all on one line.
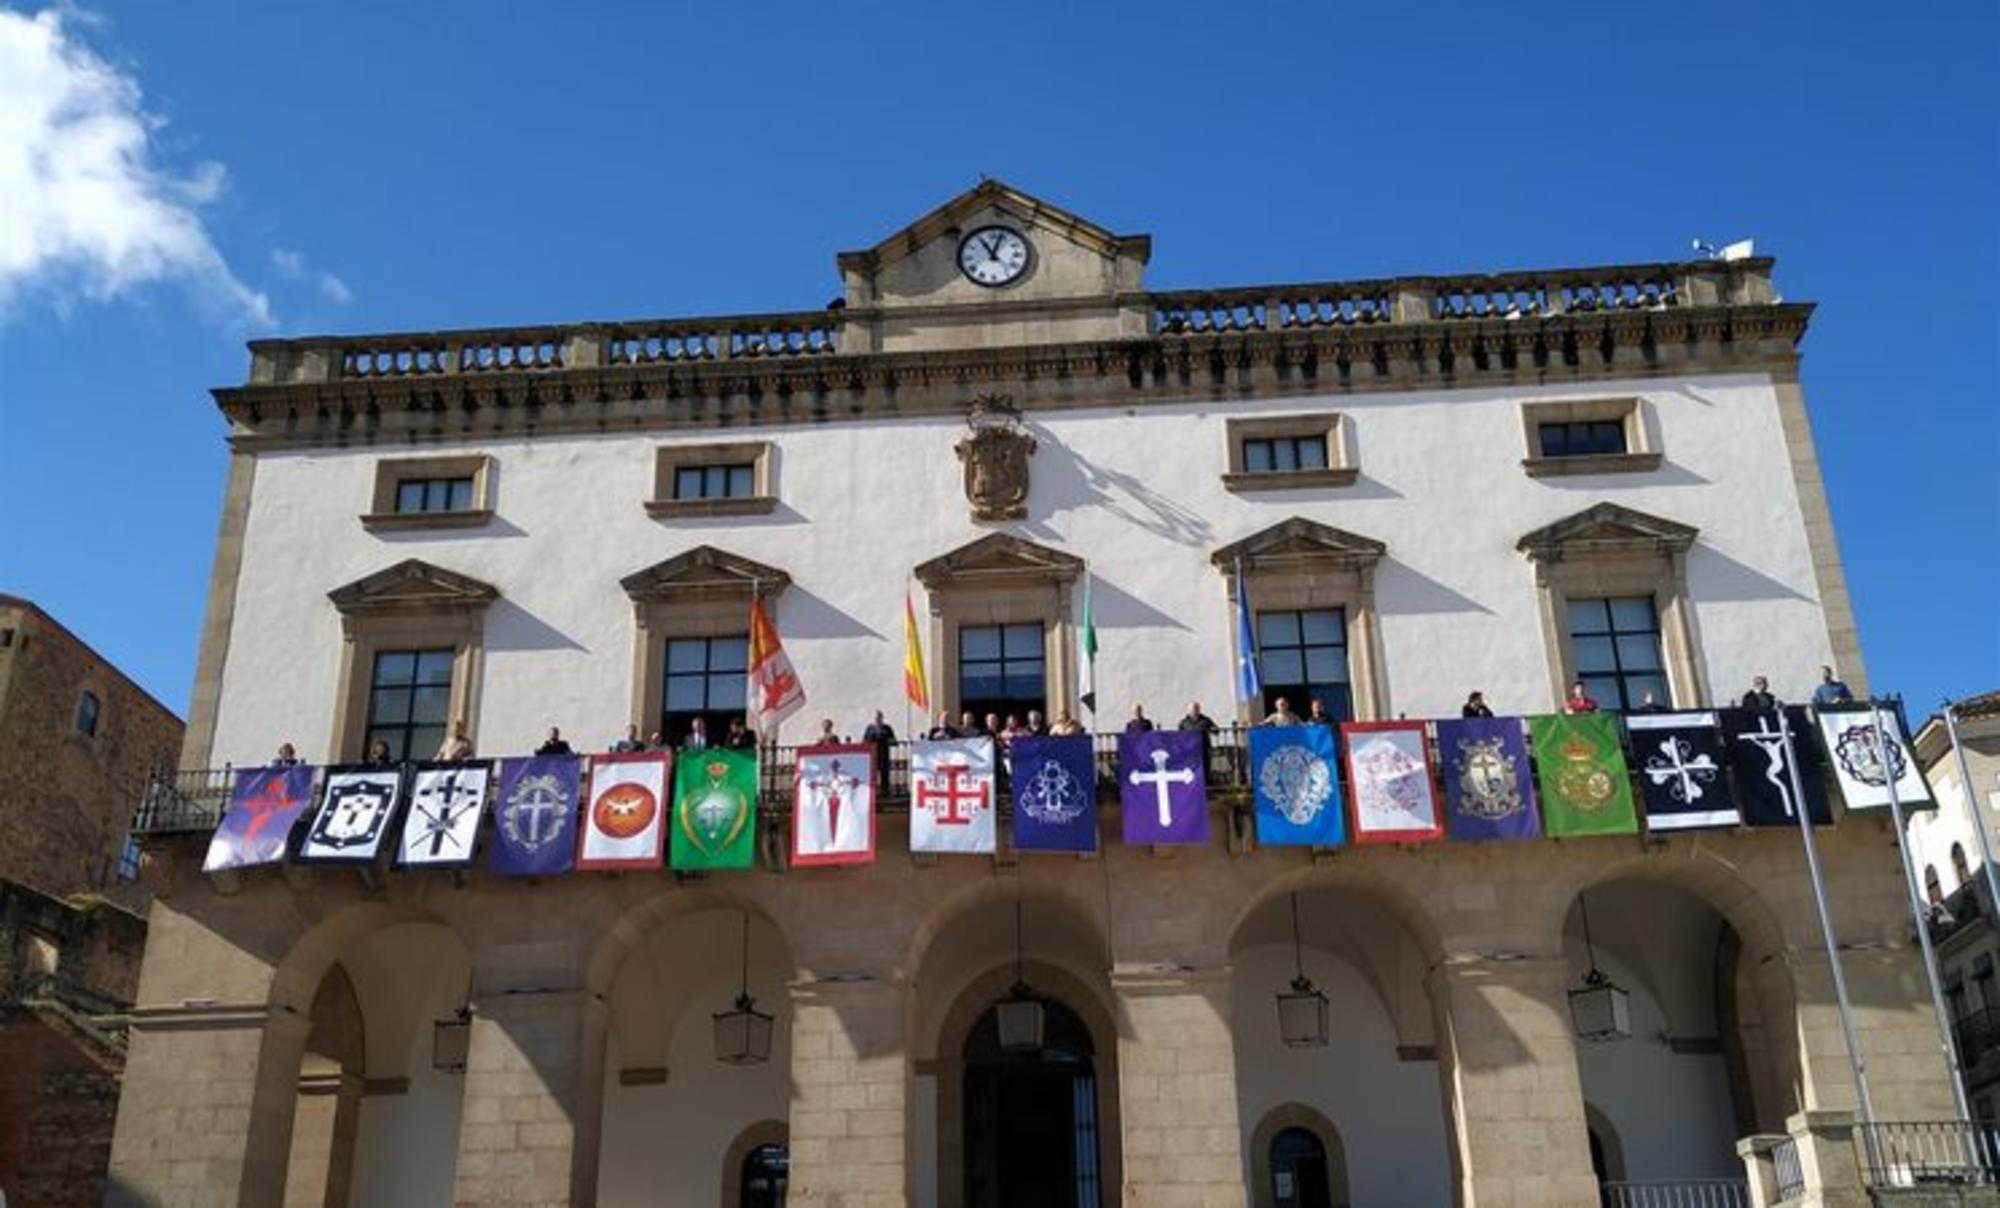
[(879, 734)]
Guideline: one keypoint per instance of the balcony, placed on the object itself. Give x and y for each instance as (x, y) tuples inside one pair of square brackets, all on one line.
[(1977, 1034)]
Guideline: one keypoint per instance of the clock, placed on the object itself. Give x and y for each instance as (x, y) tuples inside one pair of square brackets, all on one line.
[(993, 256)]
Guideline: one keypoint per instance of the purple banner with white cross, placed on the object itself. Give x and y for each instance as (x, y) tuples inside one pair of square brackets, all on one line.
[(1161, 787)]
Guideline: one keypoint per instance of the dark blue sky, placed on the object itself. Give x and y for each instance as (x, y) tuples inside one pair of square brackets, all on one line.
[(466, 165)]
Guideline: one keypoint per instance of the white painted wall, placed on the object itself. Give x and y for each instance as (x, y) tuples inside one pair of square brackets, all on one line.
[(1137, 493), (1390, 1112), (1932, 832)]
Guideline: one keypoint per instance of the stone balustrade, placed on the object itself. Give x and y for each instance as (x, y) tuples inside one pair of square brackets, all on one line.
[(803, 335)]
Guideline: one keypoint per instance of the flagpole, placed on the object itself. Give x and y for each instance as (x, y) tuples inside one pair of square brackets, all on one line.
[(1855, 1060), (1945, 1036), (1972, 807)]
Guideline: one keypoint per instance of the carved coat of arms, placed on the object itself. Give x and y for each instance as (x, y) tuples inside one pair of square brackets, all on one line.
[(995, 455)]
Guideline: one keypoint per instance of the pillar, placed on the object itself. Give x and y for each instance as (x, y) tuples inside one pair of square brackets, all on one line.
[(534, 1097), (847, 1113), (1900, 1040), (205, 1112), (1507, 1054), (325, 1124), (1182, 1143)]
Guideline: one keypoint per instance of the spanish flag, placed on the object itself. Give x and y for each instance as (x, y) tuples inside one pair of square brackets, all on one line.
[(915, 685)]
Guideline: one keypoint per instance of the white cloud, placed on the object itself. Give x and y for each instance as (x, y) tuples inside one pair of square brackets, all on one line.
[(335, 289), (84, 211), (292, 266)]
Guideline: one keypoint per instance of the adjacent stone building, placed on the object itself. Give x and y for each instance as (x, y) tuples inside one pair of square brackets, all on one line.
[(1425, 486)]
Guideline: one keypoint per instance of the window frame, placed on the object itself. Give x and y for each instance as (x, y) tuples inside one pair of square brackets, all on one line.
[(716, 719), (408, 727), (669, 460), (1341, 709), (392, 472), (1639, 455), (87, 698), (1618, 674), (1326, 427), (412, 605), (1000, 662)]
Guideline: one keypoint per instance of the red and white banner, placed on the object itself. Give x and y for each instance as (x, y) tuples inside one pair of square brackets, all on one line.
[(774, 688), (624, 818), (833, 805), (1395, 795), (951, 795)]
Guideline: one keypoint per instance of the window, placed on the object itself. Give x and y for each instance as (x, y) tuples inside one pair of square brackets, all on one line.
[(1933, 888), (706, 680), (1586, 436), (1302, 656), (1286, 452), (1002, 669), (433, 495), (715, 482), (766, 1170), (1582, 438), (128, 860), (87, 710), (1282, 453), (431, 492), (1959, 867), (1617, 647), (6, 638), (409, 701), (738, 478)]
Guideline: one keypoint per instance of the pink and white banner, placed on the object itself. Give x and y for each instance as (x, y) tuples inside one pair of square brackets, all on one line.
[(1395, 796), (951, 795), (833, 806)]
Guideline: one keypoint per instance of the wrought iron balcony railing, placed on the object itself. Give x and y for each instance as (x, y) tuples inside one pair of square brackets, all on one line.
[(1918, 1153), (1677, 1193)]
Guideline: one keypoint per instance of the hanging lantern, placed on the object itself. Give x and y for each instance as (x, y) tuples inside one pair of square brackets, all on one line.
[(1020, 1015), (1302, 1010), (743, 1033), (1600, 1009), (451, 1042)]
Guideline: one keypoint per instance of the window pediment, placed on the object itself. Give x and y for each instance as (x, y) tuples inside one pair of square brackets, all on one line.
[(703, 573), (412, 585), (1607, 530), (1300, 544), (999, 559)]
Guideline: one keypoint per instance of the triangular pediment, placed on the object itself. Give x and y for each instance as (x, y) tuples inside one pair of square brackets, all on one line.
[(1302, 544), (999, 558), (1607, 530), (990, 197), (705, 571), (412, 585)]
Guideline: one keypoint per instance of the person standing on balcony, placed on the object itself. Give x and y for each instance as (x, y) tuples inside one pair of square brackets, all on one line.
[(1475, 706), (1065, 726), (739, 737), (943, 729), (378, 754), (287, 757), (1139, 723), (457, 745), (628, 744), (554, 745), (826, 735), (1316, 714), (882, 738), (1831, 691), (1579, 700), (697, 736), (1759, 696), (1011, 731), (1197, 722), (1281, 714), (1037, 726)]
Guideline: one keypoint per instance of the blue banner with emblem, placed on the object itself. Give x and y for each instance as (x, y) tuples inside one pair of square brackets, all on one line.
[(1489, 785), (1055, 793), (1295, 776), (534, 817)]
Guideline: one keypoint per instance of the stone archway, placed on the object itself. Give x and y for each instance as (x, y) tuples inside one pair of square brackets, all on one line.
[(747, 1142), (1277, 1120)]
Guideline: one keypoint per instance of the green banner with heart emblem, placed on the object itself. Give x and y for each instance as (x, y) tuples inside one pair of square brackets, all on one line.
[(1580, 770), (715, 810)]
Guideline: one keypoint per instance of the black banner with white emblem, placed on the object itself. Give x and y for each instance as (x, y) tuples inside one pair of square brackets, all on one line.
[(1683, 774), (356, 807), (1760, 773)]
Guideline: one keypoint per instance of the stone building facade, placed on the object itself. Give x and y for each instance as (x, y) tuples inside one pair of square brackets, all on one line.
[(77, 742), (1424, 485)]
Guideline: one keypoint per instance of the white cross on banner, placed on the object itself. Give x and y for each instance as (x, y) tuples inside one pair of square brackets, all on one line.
[(951, 795), (833, 810)]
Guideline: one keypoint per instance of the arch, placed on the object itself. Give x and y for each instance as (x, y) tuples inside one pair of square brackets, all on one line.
[(1606, 1146), (1719, 885), (1079, 920), (617, 940), (747, 1142), (1933, 888), (295, 979), (1960, 868), (1296, 1115), (1372, 881)]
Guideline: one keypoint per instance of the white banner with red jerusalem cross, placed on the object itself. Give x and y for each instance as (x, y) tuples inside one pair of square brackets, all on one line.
[(951, 795), (624, 823), (773, 688), (833, 805), (1395, 797)]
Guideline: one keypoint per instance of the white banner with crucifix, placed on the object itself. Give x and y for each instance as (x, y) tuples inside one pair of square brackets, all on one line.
[(1683, 781), (447, 800), (951, 795), (1863, 759)]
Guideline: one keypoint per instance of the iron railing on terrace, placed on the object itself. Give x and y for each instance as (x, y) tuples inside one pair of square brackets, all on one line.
[(1916, 1153), (1677, 1193), (1788, 1172), (801, 335)]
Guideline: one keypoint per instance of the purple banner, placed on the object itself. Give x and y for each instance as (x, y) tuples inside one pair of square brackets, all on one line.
[(257, 829), (1162, 787), (1489, 785), (1055, 794), (534, 817)]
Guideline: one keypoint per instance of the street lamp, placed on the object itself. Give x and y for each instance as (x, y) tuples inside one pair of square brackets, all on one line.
[(1599, 1009), (743, 1033), (1302, 1010), (451, 1041), (1020, 1015)]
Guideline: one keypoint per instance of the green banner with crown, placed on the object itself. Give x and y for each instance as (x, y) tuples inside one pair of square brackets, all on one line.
[(715, 810), (1580, 770)]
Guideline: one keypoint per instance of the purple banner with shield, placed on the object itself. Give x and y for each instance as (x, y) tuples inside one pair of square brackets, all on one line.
[(1160, 786), (1055, 794), (534, 817), (263, 808), (1489, 785)]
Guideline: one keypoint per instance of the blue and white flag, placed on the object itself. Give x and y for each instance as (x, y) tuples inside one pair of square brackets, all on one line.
[(534, 817), (1055, 794), (1248, 685), (1295, 777), (356, 807)]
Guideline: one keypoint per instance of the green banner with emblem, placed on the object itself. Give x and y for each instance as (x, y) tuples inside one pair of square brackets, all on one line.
[(1580, 770), (715, 810)]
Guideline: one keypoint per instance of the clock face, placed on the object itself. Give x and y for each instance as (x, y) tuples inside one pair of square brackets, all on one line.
[(993, 255)]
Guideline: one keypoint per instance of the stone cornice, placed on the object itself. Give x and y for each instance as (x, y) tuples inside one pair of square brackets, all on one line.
[(1227, 365)]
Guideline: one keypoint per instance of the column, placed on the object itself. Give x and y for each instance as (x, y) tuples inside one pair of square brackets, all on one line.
[(205, 1112), (1507, 1054), (1907, 1074), (848, 1077), (534, 1096), (325, 1124), (1182, 1143)]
